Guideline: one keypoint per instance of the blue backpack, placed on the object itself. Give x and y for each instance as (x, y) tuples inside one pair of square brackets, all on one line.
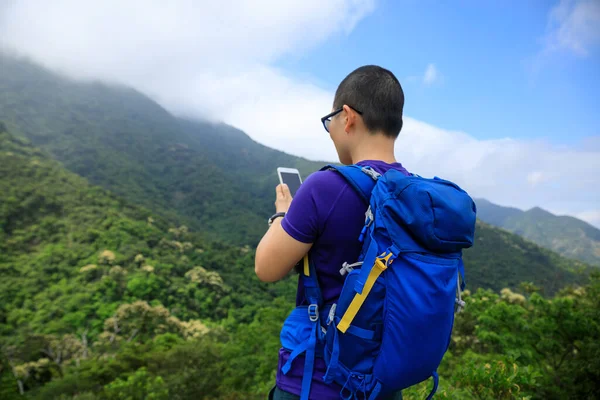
[(393, 320)]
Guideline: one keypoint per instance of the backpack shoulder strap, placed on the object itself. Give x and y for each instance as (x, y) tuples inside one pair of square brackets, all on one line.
[(362, 179)]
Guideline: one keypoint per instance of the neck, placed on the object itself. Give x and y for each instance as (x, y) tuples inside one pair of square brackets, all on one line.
[(374, 147)]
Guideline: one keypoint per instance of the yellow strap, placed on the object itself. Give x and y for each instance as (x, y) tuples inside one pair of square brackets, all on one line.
[(380, 265), (306, 266)]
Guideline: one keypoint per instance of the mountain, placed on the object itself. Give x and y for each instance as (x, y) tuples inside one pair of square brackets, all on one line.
[(212, 178), (61, 237), (501, 257), (84, 273), (192, 172), (566, 235), (110, 296)]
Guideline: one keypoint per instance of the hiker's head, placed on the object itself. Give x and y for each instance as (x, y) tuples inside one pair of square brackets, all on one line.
[(368, 105)]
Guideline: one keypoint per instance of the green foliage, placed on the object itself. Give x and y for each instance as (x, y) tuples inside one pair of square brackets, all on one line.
[(486, 377), (138, 386), (237, 361), (101, 299), (499, 259), (552, 341), (85, 274)]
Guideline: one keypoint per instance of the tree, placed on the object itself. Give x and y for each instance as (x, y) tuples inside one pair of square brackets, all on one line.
[(139, 386)]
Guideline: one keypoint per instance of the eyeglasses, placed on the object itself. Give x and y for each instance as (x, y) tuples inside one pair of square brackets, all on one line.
[(326, 120)]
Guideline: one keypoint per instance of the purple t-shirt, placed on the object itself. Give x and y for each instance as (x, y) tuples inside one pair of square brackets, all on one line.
[(327, 212)]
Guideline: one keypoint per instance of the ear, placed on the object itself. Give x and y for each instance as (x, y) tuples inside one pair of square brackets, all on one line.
[(350, 118)]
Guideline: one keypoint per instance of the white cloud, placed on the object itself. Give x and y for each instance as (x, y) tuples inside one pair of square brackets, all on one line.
[(509, 172), (431, 75), (593, 217), (202, 58), (535, 177), (574, 25), (285, 117), (156, 45), (215, 60)]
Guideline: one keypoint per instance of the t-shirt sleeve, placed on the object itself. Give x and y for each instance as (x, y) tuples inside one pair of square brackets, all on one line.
[(311, 206)]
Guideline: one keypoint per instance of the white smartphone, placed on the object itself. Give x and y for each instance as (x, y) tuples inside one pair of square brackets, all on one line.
[(291, 177)]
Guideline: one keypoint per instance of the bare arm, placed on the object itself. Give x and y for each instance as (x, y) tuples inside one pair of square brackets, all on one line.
[(278, 252)]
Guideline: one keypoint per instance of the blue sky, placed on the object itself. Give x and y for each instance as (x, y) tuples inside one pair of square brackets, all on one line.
[(495, 78)]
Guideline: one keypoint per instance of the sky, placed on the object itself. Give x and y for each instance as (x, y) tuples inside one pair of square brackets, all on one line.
[(501, 96)]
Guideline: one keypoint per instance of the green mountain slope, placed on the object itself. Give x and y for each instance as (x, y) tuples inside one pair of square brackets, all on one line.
[(100, 299), (500, 259), (71, 253), (123, 141), (566, 235), (213, 178), (90, 283)]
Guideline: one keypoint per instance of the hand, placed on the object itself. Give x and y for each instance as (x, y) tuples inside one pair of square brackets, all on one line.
[(283, 198)]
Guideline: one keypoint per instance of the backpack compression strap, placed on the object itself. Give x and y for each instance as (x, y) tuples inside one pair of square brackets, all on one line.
[(312, 291)]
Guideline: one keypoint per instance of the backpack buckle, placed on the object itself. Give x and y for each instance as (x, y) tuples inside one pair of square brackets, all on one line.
[(313, 312), (347, 268), (331, 314), (369, 218), (460, 305), (371, 172), (384, 261)]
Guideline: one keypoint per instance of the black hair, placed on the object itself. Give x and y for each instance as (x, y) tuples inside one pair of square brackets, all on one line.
[(377, 94)]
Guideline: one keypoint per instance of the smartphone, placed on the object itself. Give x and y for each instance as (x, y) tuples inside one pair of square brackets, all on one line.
[(291, 177)]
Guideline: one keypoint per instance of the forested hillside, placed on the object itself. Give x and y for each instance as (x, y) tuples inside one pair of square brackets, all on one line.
[(565, 235), (102, 300), (127, 264), (211, 178), (125, 142), (81, 268)]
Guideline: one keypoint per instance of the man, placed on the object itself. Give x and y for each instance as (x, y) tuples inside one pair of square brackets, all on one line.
[(327, 215)]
